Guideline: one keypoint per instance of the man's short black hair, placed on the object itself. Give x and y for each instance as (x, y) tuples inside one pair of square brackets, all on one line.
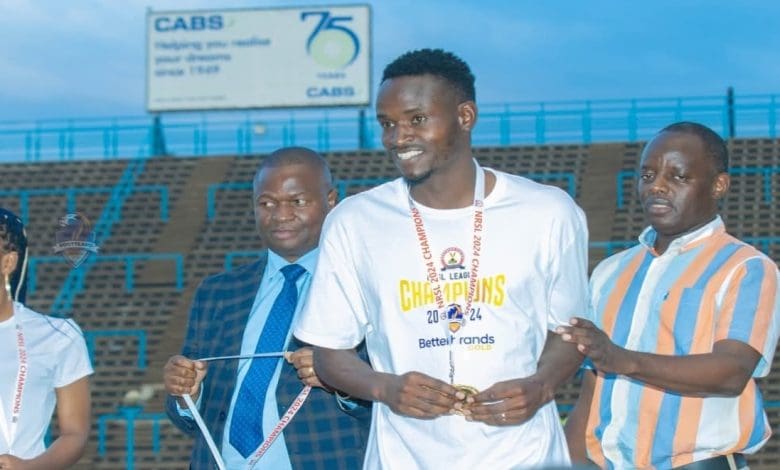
[(714, 145), (435, 62), (297, 156)]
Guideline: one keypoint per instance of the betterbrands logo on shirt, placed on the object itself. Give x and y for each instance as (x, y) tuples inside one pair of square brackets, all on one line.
[(472, 343)]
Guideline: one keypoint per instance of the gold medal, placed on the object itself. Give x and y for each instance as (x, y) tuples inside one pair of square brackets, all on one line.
[(468, 390)]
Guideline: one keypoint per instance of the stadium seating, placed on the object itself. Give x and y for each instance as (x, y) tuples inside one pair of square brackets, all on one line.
[(179, 223)]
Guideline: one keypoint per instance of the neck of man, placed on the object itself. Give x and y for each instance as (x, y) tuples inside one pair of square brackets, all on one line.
[(450, 189)]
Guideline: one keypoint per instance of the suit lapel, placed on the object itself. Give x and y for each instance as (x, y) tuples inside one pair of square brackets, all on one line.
[(234, 312)]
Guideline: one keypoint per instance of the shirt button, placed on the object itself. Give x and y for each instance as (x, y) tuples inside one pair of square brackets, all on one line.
[(222, 415)]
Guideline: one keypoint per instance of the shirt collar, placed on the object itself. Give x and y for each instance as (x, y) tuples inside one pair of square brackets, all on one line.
[(276, 262), (683, 242)]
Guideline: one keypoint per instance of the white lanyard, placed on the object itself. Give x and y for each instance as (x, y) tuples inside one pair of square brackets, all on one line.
[(9, 428), (275, 433), (430, 267)]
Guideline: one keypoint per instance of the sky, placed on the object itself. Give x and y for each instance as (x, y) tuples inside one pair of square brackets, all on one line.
[(86, 58)]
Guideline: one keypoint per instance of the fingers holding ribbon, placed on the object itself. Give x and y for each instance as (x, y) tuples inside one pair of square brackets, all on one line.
[(303, 361), (182, 375), (309, 377), (420, 396)]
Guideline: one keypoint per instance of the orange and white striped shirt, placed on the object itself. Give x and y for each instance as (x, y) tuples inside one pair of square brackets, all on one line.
[(708, 286)]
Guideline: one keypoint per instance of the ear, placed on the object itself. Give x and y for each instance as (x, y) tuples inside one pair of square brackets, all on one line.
[(467, 115), (8, 263), (720, 187), (332, 198)]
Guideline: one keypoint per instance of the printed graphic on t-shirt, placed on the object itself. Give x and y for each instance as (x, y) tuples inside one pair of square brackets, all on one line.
[(454, 324)]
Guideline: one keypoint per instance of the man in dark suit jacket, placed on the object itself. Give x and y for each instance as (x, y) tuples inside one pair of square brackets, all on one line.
[(292, 194)]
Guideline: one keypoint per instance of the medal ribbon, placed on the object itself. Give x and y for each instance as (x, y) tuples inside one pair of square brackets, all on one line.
[(275, 432), (427, 256), (9, 428)]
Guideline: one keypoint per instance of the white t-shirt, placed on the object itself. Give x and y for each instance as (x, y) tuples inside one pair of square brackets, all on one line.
[(56, 356), (371, 282)]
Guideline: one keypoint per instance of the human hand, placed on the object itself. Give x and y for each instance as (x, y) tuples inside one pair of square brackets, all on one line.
[(9, 462), (419, 396), (182, 375), (303, 361), (605, 355), (508, 403)]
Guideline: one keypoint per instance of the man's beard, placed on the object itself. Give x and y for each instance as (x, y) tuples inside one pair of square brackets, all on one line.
[(419, 179)]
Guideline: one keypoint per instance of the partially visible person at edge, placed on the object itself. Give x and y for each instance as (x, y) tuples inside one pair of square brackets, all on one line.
[(44, 364), (244, 311), (454, 274), (683, 324)]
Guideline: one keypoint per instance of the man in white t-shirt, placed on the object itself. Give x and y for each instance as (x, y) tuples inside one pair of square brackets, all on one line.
[(455, 277)]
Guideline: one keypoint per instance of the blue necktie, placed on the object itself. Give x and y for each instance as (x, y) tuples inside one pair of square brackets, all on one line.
[(246, 426)]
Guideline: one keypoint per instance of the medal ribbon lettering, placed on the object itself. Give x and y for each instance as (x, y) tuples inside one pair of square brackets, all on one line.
[(9, 428), (427, 256), (277, 430), (275, 433)]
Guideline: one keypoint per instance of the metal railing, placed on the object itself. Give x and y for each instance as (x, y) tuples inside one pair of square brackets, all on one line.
[(90, 336), (129, 415), (129, 260), (71, 194), (244, 133)]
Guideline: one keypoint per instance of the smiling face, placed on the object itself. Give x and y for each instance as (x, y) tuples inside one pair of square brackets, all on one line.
[(425, 128), (679, 185), (290, 204)]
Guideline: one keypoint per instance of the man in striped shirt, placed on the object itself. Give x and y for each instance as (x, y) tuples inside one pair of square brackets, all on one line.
[(680, 325)]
